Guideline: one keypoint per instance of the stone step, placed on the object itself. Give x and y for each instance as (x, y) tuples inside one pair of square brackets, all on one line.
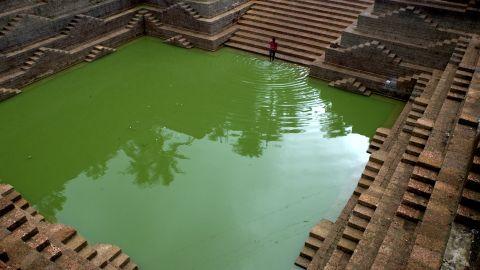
[(466, 75), (407, 128), (105, 254), (22, 204), (302, 262), (409, 159), (25, 232), (61, 233), (458, 89), (364, 183), (461, 82), (321, 230), (424, 175), (121, 261), (410, 121), (420, 133), (409, 213), (418, 108), (367, 174), (352, 234), (346, 245), (283, 25), (307, 253), (363, 212), (476, 164), (12, 219), (473, 181), (417, 141), (283, 43), (52, 252), (415, 201), (383, 132), (468, 216), (420, 188), (295, 13), (313, 243), (296, 21), (424, 124), (470, 198), (38, 242), (88, 253), (5, 189), (76, 243), (359, 190), (455, 96), (378, 139), (415, 115), (369, 200), (379, 157), (421, 102), (339, 5), (306, 40), (374, 146), (413, 150), (334, 14), (357, 222), (372, 166)]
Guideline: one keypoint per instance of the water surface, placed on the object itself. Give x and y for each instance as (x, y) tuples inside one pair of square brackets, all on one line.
[(188, 159)]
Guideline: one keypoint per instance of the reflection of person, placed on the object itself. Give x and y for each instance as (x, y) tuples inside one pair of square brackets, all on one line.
[(273, 46)]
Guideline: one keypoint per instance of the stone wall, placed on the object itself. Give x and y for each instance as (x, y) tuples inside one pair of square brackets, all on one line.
[(44, 24), (412, 40), (54, 35)]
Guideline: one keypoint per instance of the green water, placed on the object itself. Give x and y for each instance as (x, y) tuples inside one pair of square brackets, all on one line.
[(188, 159)]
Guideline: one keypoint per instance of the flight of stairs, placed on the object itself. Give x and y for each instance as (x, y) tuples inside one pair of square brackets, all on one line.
[(32, 60), (71, 25), (303, 28), (11, 24), (352, 85), (468, 211), (190, 10), (381, 134), (98, 52), (315, 238), (27, 241), (136, 20), (400, 216), (179, 41)]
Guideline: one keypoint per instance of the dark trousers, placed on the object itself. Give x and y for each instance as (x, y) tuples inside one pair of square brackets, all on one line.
[(272, 55)]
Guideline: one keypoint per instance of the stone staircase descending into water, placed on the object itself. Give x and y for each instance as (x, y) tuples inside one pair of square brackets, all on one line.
[(303, 28), (422, 179), (179, 41), (98, 52), (352, 85), (28, 241)]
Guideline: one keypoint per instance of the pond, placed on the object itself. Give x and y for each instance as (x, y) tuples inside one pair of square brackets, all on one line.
[(189, 159)]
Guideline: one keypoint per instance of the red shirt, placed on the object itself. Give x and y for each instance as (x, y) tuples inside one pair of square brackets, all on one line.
[(273, 45)]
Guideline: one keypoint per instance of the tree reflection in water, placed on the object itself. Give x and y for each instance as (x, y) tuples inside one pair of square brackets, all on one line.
[(156, 161)]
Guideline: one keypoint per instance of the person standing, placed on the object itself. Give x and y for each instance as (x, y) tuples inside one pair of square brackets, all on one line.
[(273, 46)]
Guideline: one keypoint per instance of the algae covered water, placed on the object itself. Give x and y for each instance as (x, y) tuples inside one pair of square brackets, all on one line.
[(187, 159)]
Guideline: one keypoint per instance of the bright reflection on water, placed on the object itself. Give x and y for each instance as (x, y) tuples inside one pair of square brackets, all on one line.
[(187, 159)]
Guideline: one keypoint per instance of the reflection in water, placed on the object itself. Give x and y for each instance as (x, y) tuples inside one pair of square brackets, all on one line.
[(155, 161), (230, 132)]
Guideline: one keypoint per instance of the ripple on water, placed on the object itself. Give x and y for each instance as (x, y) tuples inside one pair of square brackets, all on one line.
[(281, 90)]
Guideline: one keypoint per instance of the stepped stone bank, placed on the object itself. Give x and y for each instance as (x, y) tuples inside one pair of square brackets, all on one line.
[(420, 190)]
